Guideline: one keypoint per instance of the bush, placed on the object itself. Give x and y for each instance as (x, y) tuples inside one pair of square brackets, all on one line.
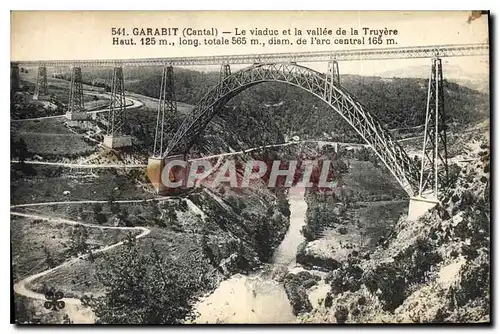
[(318, 218), (143, 288), (346, 278), (97, 208), (341, 314), (78, 241), (474, 281), (101, 218), (391, 284)]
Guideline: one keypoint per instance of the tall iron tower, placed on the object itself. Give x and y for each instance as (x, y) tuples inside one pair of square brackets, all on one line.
[(434, 164), (75, 103), (116, 113), (167, 106), (41, 82), (15, 81)]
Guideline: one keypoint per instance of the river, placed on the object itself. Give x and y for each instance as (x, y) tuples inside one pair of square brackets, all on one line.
[(257, 297)]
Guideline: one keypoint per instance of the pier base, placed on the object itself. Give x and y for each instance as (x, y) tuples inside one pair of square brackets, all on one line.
[(154, 170), (177, 174), (117, 141), (419, 206)]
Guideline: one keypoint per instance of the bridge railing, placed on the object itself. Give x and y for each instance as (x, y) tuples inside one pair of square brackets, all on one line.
[(454, 50)]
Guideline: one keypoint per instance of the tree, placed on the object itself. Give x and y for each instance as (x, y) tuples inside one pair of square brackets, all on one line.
[(101, 218), (78, 241), (122, 214), (263, 238), (19, 151), (143, 288), (97, 207), (153, 209), (49, 259), (114, 207), (283, 205)]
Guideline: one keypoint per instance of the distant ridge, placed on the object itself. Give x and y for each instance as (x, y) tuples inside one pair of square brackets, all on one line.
[(454, 73)]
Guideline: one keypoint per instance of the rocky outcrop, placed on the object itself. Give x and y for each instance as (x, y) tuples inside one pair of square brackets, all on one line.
[(296, 286), (312, 261)]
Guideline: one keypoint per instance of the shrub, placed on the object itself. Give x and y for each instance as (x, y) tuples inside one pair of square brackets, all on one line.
[(143, 288)]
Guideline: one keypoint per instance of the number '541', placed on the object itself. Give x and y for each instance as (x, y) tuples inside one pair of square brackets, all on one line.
[(117, 31)]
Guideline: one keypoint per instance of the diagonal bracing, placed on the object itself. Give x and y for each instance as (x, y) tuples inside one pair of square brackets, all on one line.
[(41, 83), (365, 124), (434, 165), (75, 103), (167, 107), (116, 113)]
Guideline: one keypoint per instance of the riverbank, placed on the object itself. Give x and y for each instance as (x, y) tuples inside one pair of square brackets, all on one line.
[(292, 284), (259, 297)]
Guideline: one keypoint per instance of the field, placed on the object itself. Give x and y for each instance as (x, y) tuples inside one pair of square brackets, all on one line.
[(79, 278), (54, 183), (37, 244), (51, 137)]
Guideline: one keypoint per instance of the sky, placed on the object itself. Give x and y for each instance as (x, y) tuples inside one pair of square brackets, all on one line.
[(87, 35)]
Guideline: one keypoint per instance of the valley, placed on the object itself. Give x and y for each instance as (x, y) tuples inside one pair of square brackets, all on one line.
[(253, 255)]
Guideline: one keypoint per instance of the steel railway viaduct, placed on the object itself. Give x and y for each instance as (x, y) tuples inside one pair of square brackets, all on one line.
[(420, 182)]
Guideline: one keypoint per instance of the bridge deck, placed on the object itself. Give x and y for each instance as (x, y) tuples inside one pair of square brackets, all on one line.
[(455, 50)]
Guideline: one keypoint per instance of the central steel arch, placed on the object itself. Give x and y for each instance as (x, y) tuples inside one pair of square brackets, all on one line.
[(321, 85)]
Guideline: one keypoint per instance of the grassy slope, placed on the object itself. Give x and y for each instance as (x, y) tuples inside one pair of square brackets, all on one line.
[(29, 237), (50, 137), (49, 184)]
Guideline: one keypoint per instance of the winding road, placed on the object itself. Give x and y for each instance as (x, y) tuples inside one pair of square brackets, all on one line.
[(73, 305), (20, 287), (74, 309), (129, 104)]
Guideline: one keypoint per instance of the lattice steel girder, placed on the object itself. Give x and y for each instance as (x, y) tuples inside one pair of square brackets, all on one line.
[(429, 51), (116, 113), (333, 73), (75, 103), (167, 107), (367, 126), (41, 82), (434, 164), (225, 72)]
